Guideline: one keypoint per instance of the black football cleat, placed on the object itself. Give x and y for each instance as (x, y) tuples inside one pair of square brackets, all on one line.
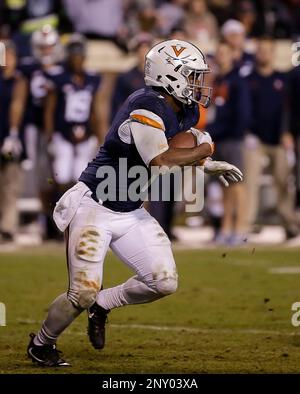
[(97, 318), (46, 355)]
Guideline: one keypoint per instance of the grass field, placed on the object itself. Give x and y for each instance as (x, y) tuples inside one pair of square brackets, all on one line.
[(230, 314)]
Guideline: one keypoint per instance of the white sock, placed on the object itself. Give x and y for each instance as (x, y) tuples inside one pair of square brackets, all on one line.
[(133, 291)]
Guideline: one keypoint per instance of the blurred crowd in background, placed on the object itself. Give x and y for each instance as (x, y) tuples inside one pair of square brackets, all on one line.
[(120, 20), (54, 113)]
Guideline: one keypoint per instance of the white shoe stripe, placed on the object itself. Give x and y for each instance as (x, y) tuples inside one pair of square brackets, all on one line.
[(64, 364)]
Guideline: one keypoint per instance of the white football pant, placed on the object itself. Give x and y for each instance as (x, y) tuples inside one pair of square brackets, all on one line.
[(69, 160), (136, 238)]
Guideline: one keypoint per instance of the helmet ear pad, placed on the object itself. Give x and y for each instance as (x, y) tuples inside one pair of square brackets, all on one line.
[(186, 92), (176, 86)]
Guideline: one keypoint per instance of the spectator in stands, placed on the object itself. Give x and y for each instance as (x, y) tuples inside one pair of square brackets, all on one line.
[(234, 34), (22, 18), (13, 91), (72, 115), (178, 33), (133, 79), (246, 14), (142, 16), (291, 17), (281, 19), (200, 24), (268, 137), (27, 16), (96, 19), (222, 9), (228, 120), (170, 16)]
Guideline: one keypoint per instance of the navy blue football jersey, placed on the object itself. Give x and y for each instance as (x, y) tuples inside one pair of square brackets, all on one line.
[(74, 103), (114, 149), (37, 83)]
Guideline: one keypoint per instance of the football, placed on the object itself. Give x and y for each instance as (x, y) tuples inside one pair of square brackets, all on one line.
[(183, 139)]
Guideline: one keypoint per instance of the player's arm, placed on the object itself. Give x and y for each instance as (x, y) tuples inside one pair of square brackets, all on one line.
[(182, 156), (12, 145), (49, 112), (18, 103), (148, 132), (96, 116)]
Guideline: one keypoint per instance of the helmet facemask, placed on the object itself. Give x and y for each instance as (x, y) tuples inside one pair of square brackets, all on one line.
[(195, 89)]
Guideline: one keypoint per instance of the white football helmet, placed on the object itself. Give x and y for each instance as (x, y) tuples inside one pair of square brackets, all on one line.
[(46, 46), (179, 67)]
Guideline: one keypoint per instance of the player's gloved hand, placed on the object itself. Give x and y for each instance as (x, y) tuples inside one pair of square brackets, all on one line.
[(226, 171), (202, 137), (12, 146)]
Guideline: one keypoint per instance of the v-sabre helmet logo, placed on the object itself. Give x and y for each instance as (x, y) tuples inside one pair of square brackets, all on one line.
[(178, 49), (2, 55)]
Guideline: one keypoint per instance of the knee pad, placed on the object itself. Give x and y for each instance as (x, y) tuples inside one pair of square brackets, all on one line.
[(165, 282), (87, 297), (83, 298), (83, 290)]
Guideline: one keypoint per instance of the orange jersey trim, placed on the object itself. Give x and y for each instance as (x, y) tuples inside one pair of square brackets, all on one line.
[(145, 120)]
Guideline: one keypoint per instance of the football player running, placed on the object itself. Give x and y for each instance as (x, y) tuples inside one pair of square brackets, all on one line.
[(174, 77)]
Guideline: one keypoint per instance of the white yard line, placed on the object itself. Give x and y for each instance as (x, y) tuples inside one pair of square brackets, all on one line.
[(202, 330), (284, 270), (195, 330)]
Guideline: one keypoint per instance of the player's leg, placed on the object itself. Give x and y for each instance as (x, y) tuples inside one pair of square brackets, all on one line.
[(87, 242), (240, 227), (233, 226), (227, 223), (147, 250), (253, 154), (286, 197), (62, 153), (47, 190), (31, 142), (11, 188), (239, 194), (84, 152)]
